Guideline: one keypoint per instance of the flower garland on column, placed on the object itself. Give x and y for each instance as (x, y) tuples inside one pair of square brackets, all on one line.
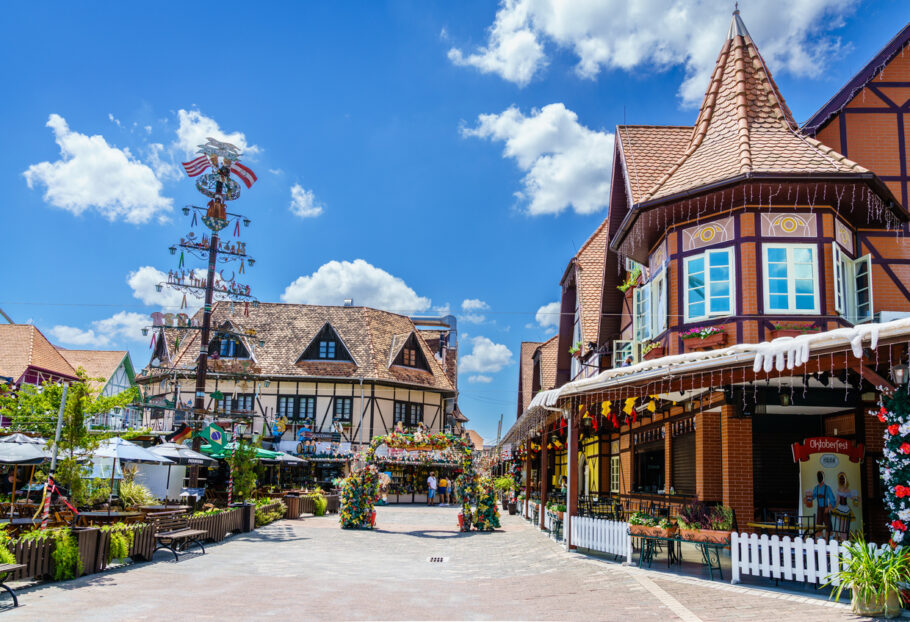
[(895, 468)]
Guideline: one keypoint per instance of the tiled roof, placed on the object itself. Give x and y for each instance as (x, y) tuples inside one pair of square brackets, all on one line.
[(287, 329), (648, 151), (548, 351), (526, 373), (589, 263), (23, 346), (96, 363), (432, 338), (476, 439), (744, 126)]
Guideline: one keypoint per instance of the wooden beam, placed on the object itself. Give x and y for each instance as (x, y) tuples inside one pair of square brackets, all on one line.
[(869, 375)]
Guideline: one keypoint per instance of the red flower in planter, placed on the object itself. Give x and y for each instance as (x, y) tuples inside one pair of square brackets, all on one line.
[(899, 525), (882, 414), (893, 429), (905, 448)]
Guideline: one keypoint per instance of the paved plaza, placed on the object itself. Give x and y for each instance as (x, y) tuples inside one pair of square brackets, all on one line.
[(312, 570)]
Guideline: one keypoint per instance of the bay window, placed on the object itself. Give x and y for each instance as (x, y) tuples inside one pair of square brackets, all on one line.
[(852, 286), (791, 278), (709, 284)]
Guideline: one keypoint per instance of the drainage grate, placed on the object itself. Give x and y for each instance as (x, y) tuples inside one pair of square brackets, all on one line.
[(437, 560)]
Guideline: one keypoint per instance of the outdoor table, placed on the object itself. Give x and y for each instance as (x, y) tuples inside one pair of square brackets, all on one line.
[(104, 517), (710, 552)]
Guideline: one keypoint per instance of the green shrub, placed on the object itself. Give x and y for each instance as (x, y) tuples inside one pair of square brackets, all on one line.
[(264, 517), (121, 540), (320, 504), (133, 494), (6, 555)]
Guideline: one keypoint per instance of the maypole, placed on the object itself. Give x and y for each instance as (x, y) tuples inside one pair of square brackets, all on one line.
[(218, 186)]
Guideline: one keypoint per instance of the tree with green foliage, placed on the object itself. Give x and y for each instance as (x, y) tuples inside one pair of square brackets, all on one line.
[(244, 463), (34, 409)]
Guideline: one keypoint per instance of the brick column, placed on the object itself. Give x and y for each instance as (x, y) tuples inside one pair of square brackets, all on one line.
[(708, 484), (736, 464), (668, 459), (572, 475), (544, 477), (527, 476)]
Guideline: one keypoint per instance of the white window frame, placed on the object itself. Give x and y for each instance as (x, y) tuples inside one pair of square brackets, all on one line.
[(706, 257), (846, 293), (622, 349), (641, 299), (791, 290), (615, 475), (651, 306)]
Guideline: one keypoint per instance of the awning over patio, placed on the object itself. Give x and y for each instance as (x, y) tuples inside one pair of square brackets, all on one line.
[(786, 354)]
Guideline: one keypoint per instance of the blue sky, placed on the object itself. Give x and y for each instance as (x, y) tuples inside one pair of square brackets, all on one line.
[(461, 150)]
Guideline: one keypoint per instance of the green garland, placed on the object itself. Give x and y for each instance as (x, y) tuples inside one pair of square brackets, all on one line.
[(895, 467)]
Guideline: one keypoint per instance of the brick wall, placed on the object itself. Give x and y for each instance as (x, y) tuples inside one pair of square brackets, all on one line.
[(709, 485), (736, 464)]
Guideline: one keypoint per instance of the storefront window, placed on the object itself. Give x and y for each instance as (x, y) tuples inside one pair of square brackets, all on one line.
[(649, 467)]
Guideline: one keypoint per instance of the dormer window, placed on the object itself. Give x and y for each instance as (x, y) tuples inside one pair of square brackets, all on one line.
[(229, 348), (411, 355), (327, 346)]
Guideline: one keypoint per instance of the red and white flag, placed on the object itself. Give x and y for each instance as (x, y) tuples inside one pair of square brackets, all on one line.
[(197, 166), (246, 175)]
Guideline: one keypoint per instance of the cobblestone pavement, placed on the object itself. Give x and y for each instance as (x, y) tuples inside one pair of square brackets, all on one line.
[(311, 569)]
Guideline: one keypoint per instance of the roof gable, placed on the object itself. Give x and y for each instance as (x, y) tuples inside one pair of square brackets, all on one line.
[(408, 353), (23, 346), (648, 151), (99, 363), (876, 70), (326, 345)]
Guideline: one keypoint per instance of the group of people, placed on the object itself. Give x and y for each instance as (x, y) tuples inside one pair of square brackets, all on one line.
[(443, 489)]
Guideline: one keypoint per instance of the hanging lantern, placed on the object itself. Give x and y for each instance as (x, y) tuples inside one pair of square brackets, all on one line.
[(186, 210), (158, 287), (250, 261), (145, 331), (173, 250), (246, 222)]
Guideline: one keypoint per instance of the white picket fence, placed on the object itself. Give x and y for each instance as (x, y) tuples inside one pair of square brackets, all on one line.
[(809, 561), (605, 536)]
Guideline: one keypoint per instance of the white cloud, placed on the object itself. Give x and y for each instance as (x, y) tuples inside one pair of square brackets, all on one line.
[(473, 318), (120, 326), (480, 378), (486, 357), (276, 171), (113, 119), (548, 315), (474, 304), (91, 174), (303, 202), (794, 35), (512, 51), (366, 284), (195, 127), (143, 282), (565, 163), (445, 309), (164, 167)]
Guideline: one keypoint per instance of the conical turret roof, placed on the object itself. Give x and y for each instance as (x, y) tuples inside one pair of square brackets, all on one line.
[(744, 126)]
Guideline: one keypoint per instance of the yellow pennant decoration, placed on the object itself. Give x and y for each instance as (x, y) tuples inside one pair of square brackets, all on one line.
[(652, 406), (630, 405), (605, 408)]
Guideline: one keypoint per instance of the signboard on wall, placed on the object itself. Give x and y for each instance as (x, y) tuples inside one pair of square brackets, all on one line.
[(830, 484)]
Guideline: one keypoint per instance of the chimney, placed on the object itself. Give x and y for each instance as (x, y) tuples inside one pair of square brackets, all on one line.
[(349, 302)]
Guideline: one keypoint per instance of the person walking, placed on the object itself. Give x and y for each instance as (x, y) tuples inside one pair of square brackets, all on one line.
[(431, 488), (443, 490)]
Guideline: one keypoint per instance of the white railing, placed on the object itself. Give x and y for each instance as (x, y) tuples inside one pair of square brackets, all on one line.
[(548, 521), (605, 536), (809, 561)]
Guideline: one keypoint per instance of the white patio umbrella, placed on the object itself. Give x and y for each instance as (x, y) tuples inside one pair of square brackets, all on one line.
[(17, 449), (124, 451), (180, 454)]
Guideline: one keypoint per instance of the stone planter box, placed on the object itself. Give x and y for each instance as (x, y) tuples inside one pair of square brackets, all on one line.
[(652, 532), (713, 536), (420, 497), (694, 344)]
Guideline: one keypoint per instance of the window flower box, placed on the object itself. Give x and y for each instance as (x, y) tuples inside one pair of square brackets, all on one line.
[(788, 329), (703, 338), (656, 351), (713, 536)]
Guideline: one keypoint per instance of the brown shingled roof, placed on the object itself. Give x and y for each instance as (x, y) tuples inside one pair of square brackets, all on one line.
[(744, 126), (287, 329), (548, 363), (589, 263), (648, 151), (526, 373), (96, 363), (23, 346)]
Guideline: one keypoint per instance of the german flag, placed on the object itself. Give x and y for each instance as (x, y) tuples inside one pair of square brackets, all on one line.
[(180, 434)]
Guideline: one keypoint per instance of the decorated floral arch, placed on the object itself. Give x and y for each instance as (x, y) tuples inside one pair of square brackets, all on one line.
[(362, 489)]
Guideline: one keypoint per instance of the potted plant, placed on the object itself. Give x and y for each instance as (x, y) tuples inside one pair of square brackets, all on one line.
[(641, 524), (504, 485), (791, 329), (699, 522), (560, 510), (576, 349), (652, 350), (631, 280), (703, 338), (874, 579)]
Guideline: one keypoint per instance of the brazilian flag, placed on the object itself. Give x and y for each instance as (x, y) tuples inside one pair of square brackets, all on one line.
[(214, 435)]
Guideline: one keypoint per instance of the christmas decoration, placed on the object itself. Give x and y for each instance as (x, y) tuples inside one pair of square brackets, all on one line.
[(895, 467)]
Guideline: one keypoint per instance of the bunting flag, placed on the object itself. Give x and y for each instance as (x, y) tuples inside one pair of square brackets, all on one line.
[(180, 263), (152, 344), (193, 223), (605, 408), (180, 434), (246, 309), (237, 228), (630, 405), (246, 175), (197, 166), (241, 270), (183, 304)]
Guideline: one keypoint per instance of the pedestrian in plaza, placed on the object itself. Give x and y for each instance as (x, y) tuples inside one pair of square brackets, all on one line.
[(443, 490), (431, 487)]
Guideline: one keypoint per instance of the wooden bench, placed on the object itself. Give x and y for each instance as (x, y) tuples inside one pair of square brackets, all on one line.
[(5, 570), (174, 534)]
